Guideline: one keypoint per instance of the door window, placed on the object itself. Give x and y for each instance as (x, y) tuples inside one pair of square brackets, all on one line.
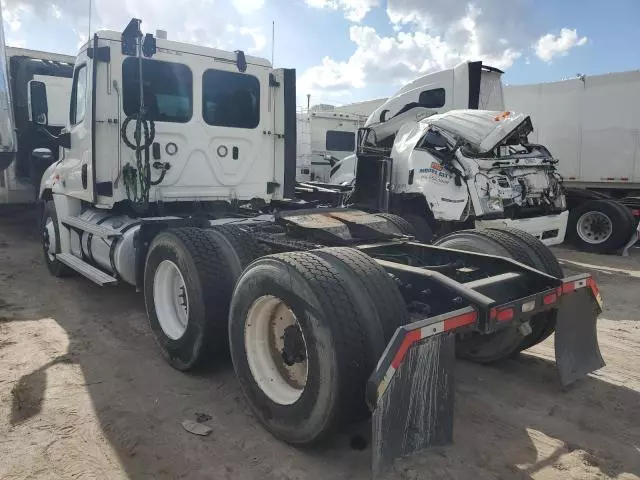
[(79, 95), (230, 99), (168, 90)]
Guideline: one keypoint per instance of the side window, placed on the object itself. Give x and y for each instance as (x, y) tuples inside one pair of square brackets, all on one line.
[(78, 95), (340, 141), (230, 99), (434, 98), (168, 90)]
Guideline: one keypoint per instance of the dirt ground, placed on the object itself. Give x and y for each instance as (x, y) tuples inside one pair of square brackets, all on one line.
[(85, 394)]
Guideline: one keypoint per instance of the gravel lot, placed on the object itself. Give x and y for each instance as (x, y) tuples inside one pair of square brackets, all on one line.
[(84, 393)]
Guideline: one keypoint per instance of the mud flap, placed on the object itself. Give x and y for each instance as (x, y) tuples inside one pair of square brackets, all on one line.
[(576, 340), (411, 392)]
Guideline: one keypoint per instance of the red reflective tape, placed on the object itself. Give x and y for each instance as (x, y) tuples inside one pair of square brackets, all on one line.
[(568, 287), (591, 283), (460, 320), (412, 337), (505, 314), (635, 212), (550, 298)]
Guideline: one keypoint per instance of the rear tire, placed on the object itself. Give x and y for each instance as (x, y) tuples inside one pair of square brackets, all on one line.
[(188, 282), (399, 223), (599, 226), (424, 232), (501, 344), (543, 259), (381, 300), (338, 352)]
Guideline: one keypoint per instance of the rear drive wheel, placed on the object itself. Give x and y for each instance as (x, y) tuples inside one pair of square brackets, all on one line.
[(541, 258), (50, 235), (501, 344), (372, 288), (424, 232), (187, 287), (300, 348), (599, 226), (399, 223)]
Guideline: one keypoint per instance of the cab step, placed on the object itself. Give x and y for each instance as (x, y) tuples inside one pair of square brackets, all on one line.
[(97, 230), (89, 271)]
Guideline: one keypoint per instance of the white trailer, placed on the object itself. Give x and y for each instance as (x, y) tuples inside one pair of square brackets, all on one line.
[(592, 125)]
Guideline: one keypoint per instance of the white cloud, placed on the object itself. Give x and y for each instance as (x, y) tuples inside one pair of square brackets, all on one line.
[(396, 59), (354, 10), (549, 46), (203, 22), (429, 36), (248, 6)]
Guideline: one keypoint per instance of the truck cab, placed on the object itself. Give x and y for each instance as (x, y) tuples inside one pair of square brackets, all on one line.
[(471, 85), (208, 127)]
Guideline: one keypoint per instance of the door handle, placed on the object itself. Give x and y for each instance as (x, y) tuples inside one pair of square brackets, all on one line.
[(84, 176)]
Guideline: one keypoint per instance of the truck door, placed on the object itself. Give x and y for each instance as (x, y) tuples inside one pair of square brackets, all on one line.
[(76, 170)]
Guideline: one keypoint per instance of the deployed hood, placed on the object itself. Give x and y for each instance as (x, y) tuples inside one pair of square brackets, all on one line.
[(482, 130)]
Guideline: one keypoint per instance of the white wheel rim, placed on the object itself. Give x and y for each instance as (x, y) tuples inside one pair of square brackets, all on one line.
[(49, 239), (171, 299), (264, 340), (594, 227)]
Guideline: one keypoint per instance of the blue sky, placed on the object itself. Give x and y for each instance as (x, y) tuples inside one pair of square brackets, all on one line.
[(352, 50)]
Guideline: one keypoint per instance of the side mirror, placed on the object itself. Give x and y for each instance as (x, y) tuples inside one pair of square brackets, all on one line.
[(38, 106)]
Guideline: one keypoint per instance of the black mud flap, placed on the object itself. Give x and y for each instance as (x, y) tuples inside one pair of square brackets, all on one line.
[(576, 340), (411, 392)]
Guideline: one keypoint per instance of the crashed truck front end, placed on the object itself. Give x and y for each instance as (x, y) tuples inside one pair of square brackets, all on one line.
[(510, 181)]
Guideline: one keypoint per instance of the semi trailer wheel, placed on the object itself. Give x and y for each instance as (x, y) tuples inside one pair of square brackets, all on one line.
[(50, 235), (300, 347), (501, 344), (599, 226), (188, 282)]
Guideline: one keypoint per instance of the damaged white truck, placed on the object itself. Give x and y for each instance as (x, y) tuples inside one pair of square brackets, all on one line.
[(461, 169), (178, 178)]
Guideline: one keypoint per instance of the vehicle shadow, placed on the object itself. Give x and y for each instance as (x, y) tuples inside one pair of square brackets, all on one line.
[(512, 419)]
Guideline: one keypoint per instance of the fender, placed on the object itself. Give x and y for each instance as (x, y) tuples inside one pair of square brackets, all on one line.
[(47, 181)]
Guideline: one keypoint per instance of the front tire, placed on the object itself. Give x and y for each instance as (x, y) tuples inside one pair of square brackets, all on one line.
[(50, 236)]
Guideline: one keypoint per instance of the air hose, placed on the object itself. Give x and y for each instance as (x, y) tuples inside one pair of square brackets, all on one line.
[(137, 180)]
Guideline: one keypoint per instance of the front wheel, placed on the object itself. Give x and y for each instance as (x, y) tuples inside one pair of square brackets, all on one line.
[(50, 236)]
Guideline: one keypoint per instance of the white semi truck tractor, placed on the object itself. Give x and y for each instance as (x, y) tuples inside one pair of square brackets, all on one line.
[(178, 178)]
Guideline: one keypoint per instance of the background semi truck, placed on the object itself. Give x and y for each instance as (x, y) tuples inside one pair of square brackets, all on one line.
[(329, 314), (494, 186), (592, 125), (23, 169)]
